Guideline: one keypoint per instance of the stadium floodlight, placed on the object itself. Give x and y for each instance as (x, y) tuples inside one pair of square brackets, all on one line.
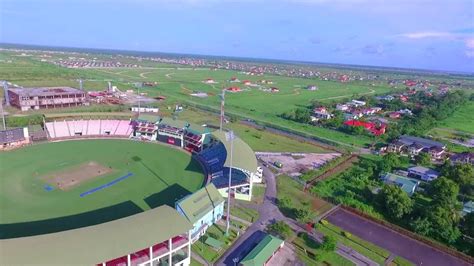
[(222, 97), (3, 115), (229, 136)]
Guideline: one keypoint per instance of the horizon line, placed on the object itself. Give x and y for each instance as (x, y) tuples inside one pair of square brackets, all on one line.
[(237, 58)]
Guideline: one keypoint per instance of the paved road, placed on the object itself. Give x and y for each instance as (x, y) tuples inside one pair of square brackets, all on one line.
[(396, 243), (269, 213)]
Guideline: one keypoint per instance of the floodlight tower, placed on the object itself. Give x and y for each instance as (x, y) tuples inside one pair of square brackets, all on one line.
[(3, 115), (222, 96), (81, 84), (229, 136), (5, 93)]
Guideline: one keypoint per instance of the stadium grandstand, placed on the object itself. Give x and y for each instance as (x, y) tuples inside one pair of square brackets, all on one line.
[(244, 166), (159, 236), (13, 138), (88, 128)]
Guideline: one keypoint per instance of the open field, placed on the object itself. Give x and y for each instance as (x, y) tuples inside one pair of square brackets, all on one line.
[(461, 120), (178, 83), (160, 175)]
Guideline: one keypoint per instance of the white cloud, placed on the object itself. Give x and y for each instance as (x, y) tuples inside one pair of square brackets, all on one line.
[(427, 34), (469, 47)]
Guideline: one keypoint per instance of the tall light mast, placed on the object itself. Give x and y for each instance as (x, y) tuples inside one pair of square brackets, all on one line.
[(5, 93), (229, 136), (222, 96)]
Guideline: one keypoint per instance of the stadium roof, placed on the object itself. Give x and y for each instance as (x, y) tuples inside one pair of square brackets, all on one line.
[(198, 204), (244, 156), (262, 252), (95, 244)]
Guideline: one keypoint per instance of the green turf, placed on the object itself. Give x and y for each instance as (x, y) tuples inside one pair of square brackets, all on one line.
[(461, 120), (161, 175)]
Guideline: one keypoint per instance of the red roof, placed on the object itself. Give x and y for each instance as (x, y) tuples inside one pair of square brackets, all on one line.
[(377, 131), (234, 89)]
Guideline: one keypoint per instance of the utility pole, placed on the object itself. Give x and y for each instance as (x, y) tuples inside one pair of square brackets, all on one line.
[(229, 137), (138, 88), (222, 96), (3, 115)]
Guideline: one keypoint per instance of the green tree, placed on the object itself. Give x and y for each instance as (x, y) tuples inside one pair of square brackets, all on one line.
[(329, 244), (462, 174), (444, 192), (423, 159), (304, 214), (395, 201), (467, 224), (388, 162), (280, 229)]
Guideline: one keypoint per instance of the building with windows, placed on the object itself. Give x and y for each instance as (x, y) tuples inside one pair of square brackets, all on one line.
[(202, 209), (156, 237), (47, 97)]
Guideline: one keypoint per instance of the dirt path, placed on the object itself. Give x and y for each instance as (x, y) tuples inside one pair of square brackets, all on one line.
[(144, 73), (347, 95), (169, 75)]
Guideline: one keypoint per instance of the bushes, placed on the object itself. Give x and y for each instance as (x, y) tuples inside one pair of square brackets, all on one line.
[(23, 121)]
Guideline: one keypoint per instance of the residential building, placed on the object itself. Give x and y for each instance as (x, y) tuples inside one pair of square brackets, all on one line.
[(202, 209), (342, 107), (414, 145), (468, 207), (423, 173), (321, 113), (263, 252), (406, 184), (461, 158), (357, 103)]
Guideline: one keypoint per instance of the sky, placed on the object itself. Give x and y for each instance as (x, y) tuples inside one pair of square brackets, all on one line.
[(425, 34)]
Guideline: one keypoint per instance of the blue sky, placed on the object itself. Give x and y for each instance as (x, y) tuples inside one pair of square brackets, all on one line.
[(428, 34)]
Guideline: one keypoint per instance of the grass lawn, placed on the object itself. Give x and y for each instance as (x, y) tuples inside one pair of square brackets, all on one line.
[(258, 140), (247, 214), (258, 192), (289, 188), (365, 248), (195, 262), (209, 253), (461, 120), (178, 83), (23, 197), (315, 256)]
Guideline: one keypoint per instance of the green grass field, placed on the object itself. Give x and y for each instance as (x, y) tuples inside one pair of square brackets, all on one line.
[(178, 82), (161, 175), (461, 120)]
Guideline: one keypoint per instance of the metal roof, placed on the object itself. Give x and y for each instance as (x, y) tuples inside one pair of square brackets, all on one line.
[(427, 143), (262, 252), (46, 91), (198, 204), (243, 157), (95, 244)]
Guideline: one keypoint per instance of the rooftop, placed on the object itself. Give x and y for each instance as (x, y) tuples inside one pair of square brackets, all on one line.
[(406, 184), (427, 143), (262, 252), (423, 170), (95, 244), (198, 204), (45, 91), (243, 157)]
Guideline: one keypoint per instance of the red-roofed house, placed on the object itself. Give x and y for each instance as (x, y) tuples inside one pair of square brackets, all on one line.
[(371, 127), (234, 89)]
